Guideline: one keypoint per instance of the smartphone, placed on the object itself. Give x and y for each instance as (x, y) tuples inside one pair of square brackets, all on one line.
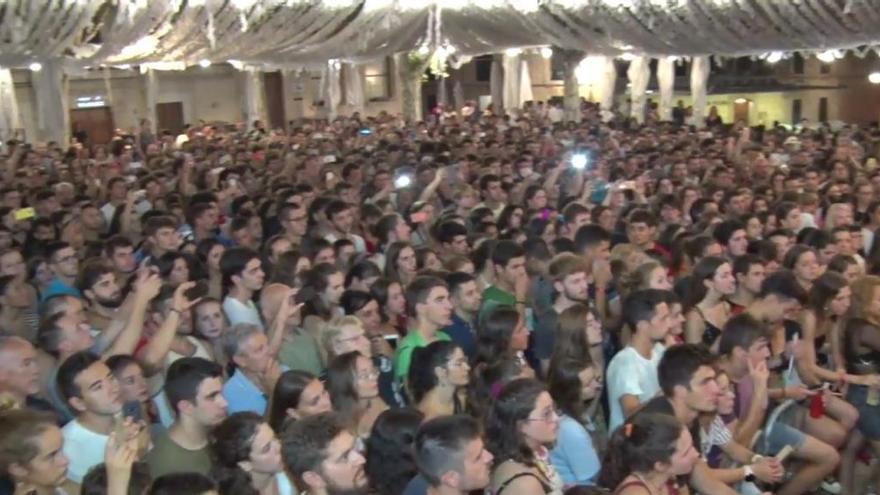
[(24, 214), (365, 132), (132, 409), (197, 291)]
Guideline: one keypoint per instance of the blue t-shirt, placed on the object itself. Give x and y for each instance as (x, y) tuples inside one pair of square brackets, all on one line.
[(573, 456), (243, 395), (462, 333)]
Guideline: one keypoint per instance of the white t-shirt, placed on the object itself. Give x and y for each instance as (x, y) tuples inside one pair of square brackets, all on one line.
[(238, 312), (631, 374), (201, 351), (84, 448)]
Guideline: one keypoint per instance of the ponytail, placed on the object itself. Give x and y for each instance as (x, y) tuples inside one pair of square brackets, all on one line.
[(637, 445)]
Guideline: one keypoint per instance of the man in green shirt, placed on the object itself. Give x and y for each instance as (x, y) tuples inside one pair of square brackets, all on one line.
[(195, 390), (428, 304), (511, 280)]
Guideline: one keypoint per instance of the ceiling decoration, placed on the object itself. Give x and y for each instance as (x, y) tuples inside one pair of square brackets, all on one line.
[(308, 33)]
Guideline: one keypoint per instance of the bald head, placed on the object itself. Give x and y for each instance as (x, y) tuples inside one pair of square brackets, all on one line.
[(19, 370), (11, 344)]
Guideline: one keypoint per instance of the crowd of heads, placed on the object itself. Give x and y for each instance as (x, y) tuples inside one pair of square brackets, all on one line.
[(477, 301)]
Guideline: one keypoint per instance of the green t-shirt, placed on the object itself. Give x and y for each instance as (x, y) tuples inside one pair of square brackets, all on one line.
[(168, 457), (494, 297), (403, 355), (300, 352)]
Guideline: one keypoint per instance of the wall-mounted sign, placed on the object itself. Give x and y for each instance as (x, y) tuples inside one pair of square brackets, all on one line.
[(90, 102)]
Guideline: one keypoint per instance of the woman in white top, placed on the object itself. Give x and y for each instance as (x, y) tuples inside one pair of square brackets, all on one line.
[(246, 457), (31, 453)]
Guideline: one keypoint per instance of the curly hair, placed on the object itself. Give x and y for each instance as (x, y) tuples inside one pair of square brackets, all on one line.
[(229, 444), (422, 378), (514, 404)]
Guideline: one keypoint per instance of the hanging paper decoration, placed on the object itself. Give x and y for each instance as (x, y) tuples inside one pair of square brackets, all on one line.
[(307, 33)]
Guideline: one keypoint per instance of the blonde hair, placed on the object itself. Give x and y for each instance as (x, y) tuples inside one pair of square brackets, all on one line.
[(830, 222), (864, 290), (333, 329), (639, 278)]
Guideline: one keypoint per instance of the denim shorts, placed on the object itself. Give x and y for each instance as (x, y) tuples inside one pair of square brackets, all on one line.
[(780, 436), (869, 416)]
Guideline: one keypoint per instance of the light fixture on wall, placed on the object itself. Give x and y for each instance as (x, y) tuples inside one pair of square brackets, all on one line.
[(35, 66), (547, 52), (874, 77), (773, 57), (204, 63), (740, 101), (829, 56)]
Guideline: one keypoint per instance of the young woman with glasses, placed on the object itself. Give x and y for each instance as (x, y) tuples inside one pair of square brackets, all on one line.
[(522, 424)]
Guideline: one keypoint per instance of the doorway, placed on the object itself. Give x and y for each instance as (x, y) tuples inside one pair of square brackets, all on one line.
[(273, 83), (741, 110), (169, 116), (92, 125)]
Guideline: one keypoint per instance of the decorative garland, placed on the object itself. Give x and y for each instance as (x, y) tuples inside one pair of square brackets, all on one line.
[(306, 33)]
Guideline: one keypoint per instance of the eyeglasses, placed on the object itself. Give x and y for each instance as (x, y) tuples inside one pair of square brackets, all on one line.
[(548, 416), (368, 375), (66, 259)]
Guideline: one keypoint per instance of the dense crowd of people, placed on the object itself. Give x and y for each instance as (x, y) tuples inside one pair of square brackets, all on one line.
[(508, 303)]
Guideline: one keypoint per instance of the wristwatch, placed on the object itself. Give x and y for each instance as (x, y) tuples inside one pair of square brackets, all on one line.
[(750, 475)]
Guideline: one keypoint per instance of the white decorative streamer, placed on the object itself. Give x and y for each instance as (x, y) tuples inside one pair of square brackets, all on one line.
[(301, 33), (254, 97), (666, 81), (354, 87), (51, 99), (700, 67), (334, 95), (151, 81), (638, 75), (10, 121), (525, 83), (511, 96), (606, 84), (212, 36), (496, 84)]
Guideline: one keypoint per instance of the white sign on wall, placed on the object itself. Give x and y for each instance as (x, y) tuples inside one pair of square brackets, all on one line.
[(90, 102)]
